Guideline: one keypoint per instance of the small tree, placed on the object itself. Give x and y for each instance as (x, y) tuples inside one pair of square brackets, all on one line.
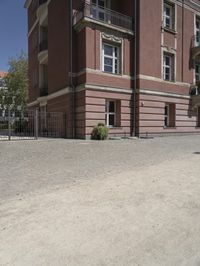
[(16, 83)]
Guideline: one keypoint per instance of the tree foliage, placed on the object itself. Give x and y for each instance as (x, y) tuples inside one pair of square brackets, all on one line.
[(16, 83)]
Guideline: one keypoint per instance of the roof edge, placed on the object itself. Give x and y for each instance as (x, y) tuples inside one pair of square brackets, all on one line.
[(27, 3)]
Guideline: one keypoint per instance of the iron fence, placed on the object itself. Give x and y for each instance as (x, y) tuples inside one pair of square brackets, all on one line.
[(32, 124)]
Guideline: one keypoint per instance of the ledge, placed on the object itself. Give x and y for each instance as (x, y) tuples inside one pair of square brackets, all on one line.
[(170, 30), (84, 22), (114, 128), (169, 127)]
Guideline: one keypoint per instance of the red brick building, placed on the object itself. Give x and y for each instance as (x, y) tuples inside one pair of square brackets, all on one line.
[(129, 64)]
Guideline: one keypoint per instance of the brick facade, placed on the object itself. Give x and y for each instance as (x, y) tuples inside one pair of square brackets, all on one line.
[(80, 79)]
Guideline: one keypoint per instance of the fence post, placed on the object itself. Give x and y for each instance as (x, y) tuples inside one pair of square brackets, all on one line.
[(9, 124), (36, 124), (65, 125)]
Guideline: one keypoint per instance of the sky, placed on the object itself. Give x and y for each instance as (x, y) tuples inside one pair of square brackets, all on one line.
[(13, 27)]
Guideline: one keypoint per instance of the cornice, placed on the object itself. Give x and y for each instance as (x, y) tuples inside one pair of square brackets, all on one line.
[(27, 3)]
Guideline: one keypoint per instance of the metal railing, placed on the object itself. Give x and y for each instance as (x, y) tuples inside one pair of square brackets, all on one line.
[(104, 15), (43, 46), (41, 2), (31, 124), (195, 41), (195, 90)]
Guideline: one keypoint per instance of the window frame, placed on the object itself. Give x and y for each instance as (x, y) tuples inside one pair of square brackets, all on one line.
[(197, 31), (115, 71), (171, 16), (170, 66), (108, 113), (98, 10), (169, 121), (197, 74)]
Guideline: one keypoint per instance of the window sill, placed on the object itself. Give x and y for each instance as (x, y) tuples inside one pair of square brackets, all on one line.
[(172, 31), (110, 73), (171, 81), (169, 127), (115, 127)]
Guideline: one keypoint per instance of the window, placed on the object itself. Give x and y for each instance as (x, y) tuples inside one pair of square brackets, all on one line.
[(168, 16), (197, 31), (169, 116), (197, 72), (110, 59), (168, 67), (98, 11), (110, 115)]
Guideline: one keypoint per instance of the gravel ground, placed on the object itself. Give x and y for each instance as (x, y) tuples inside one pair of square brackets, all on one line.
[(130, 202)]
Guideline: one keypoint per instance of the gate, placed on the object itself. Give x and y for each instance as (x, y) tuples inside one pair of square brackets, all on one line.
[(32, 124)]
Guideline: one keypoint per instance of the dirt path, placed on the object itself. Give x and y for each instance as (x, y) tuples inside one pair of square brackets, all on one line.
[(144, 217)]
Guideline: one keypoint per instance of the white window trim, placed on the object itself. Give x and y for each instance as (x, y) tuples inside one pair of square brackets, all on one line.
[(197, 30), (107, 113), (170, 17), (167, 67), (113, 57), (171, 53), (173, 18), (197, 74)]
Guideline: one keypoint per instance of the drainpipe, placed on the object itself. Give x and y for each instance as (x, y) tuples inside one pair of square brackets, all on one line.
[(71, 67), (183, 15), (135, 69)]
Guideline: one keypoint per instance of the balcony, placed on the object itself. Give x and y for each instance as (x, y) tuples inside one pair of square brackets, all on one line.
[(42, 11), (41, 2), (103, 16), (43, 45), (43, 92), (43, 52), (195, 48), (195, 95)]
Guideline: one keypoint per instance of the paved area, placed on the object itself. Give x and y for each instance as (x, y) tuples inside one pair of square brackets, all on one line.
[(85, 203)]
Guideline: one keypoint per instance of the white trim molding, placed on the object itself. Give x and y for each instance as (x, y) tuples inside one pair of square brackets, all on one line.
[(50, 96), (145, 77), (99, 72), (164, 94)]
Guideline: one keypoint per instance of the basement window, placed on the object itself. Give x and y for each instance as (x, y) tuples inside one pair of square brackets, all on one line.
[(169, 115), (112, 113)]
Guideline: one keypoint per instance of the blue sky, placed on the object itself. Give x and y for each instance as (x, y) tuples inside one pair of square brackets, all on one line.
[(13, 26)]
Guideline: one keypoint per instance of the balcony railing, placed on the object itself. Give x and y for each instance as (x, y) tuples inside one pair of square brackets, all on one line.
[(41, 2), (195, 95), (195, 47), (196, 40), (43, 46), (195, 90), (103, 15)]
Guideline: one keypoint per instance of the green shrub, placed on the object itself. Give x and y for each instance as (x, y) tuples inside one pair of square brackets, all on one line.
[(99, 132)]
